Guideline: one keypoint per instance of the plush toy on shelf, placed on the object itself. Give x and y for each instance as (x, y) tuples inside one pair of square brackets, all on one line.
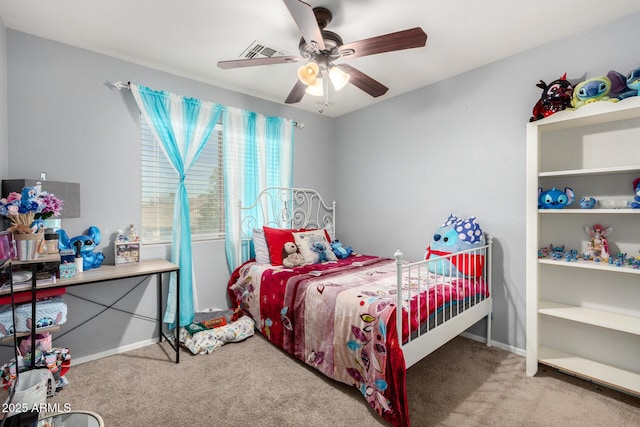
[(85, 245), (592, 90), (624, 86), (554, 198), (290, 256), (636, 191), (588, 202), (598, 246), (556, 96)]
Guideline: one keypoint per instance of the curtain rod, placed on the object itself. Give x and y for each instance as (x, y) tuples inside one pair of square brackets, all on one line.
[(119, 85)]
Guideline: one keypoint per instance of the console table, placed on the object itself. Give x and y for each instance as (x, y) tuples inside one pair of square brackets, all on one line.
[(106, 273)]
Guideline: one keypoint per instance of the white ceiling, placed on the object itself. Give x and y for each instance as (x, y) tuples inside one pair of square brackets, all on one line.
[(189, 37)]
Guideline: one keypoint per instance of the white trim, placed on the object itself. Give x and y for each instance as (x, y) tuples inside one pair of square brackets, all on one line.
[(501, 346), (111, 352)]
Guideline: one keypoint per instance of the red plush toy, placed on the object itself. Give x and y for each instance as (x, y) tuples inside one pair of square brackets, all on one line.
[(556, 96)]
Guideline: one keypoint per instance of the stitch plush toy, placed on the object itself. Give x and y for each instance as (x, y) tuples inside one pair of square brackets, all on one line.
[(636, 190), (86, 244), (290, 255), (555, 199), (592, 90), (341, 251), (624, 86), (321, 249), (454, 235)]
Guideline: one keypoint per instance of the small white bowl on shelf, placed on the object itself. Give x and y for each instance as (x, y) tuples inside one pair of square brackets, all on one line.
[(613, 203)]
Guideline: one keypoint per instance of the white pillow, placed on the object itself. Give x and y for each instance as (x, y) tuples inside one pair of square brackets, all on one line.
[(260, 247), (329, 229), (313, 246)]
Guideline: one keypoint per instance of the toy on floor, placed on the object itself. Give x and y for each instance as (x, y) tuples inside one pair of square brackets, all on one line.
[(624, 86), (455, 235), (635, 204), (85, 244), (290, 256), (341, 251), (592, 90), (556, 96), (554, 198), (598, 246)]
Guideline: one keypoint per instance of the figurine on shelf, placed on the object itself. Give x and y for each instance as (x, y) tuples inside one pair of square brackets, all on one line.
[(133, 234), (598, 246)]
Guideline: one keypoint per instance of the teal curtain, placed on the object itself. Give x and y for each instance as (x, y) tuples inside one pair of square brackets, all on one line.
[(182, 127), (258, 153)]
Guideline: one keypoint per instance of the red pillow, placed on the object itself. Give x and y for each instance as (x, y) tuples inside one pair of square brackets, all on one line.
[(277, 237)]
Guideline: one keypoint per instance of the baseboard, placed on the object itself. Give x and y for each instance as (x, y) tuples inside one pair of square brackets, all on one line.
[(501, 346), (111, 352), (140, 344)]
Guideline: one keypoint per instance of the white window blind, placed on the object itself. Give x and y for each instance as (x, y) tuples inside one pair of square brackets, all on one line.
[(205, 187)]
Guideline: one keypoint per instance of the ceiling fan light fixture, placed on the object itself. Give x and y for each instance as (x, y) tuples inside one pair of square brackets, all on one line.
[(338, 77), (316, 89), (308, 73)]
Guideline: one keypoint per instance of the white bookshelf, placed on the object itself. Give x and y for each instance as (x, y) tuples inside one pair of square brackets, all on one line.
[(583, 317)]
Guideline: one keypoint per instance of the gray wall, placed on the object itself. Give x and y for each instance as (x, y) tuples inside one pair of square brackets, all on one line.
[(455, 146), (459, 146), (64, 120)]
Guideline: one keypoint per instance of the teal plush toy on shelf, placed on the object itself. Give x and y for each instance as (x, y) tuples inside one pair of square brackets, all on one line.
[(592, 90), (622, 86), (84, 246), (554, 198)]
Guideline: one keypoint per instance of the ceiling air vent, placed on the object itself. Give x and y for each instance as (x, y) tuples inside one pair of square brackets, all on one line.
[(261, 50)]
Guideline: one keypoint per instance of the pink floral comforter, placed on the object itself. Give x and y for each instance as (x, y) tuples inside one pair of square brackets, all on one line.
[(340, 318)]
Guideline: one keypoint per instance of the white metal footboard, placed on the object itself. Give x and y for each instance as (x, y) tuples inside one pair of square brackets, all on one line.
[(452, 319)]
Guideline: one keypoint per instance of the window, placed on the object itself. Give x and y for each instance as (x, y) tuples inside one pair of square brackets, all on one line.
[(205, 187)]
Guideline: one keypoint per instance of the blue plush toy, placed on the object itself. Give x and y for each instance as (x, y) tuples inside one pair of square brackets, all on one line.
[(454, 235), (624, 86), (636, 199), (555, 199), (320, 249), (85, 244), (341, 251), (592, 90)]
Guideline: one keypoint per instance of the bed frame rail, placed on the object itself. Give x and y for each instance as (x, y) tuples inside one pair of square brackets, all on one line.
[(454, 319)]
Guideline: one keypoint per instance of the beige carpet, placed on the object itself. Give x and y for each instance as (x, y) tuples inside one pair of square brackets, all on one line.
[(252, 383)]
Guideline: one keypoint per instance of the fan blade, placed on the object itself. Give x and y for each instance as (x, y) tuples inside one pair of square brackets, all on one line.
[(406, 39), (303, 14), (364, 82), (296, 93), (239, 63)]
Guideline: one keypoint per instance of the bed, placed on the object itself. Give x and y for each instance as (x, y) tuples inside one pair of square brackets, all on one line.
[(339, 315)]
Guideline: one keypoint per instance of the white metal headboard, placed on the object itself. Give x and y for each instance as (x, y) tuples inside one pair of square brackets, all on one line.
[(283, 207)]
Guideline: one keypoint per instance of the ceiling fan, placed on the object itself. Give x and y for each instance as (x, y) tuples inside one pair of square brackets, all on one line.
[(321, 48)]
